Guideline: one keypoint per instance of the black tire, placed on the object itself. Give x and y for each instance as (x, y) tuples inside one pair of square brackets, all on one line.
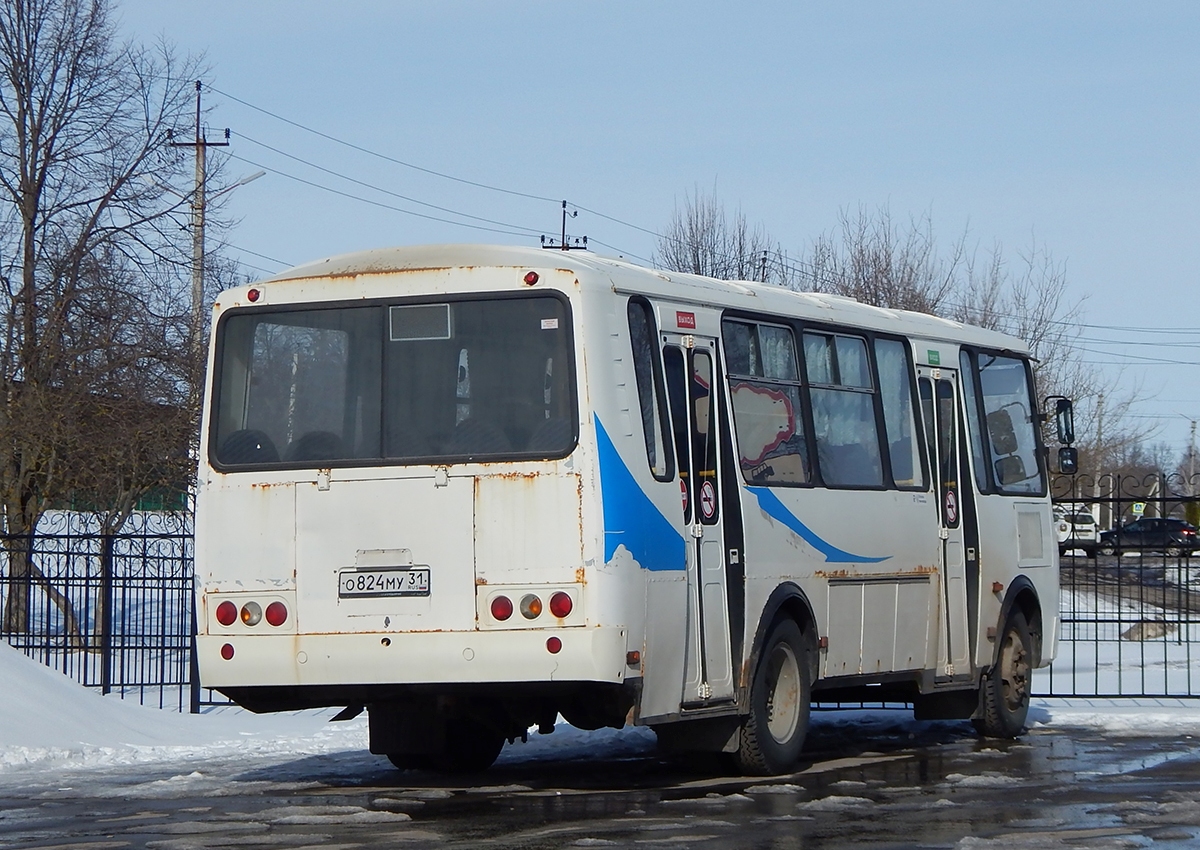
[(772, 732), (1004, 692), (1090, 551), (1173, 552), (471, 747), (1106, 549), (409, 761)]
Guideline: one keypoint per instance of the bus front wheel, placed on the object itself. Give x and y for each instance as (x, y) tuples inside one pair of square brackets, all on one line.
[(1004, 693), (772, 733)]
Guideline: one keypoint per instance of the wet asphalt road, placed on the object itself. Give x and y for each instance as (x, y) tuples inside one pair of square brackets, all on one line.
[(940, 787)]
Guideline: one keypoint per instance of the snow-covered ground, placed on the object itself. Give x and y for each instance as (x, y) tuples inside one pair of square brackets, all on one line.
[(48, 720)]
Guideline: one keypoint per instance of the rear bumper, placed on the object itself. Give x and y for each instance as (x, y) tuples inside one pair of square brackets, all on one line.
[(413, 658)]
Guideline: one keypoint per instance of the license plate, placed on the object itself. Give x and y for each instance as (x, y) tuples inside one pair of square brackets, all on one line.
[(383, 581)]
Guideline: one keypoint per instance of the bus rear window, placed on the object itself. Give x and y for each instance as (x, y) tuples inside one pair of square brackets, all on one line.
[(485, 378)]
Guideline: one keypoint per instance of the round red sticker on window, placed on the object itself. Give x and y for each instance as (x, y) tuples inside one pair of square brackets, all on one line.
[(708, 500)]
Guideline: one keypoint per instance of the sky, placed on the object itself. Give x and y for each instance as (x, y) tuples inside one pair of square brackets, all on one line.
[(1071, 126)]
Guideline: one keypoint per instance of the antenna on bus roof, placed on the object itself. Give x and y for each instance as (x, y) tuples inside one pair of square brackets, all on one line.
[(565, 243)]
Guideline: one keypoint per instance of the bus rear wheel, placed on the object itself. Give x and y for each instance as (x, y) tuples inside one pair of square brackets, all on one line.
[(772, 733), (471, 747), (1004, 693)]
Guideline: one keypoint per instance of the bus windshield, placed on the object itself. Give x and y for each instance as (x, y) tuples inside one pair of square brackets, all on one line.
[(394, 383)]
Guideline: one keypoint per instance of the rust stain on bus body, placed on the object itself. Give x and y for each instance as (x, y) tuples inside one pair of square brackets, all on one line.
[(853, 574)]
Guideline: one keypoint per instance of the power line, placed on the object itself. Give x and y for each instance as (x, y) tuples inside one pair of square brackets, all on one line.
[(382, 156), (373, 203), (331, 172)]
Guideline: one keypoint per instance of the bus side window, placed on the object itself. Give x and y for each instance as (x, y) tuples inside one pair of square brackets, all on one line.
[(895, 386), (1012, 434), (764, 385), (651, 398), (677, 395), (974, 427), (843, 410)]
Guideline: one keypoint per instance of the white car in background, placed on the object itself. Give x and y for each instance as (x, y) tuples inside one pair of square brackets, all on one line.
[(1076, 528)]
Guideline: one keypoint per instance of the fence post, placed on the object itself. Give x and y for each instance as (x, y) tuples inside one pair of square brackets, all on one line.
[(106, 594), (194, 659)]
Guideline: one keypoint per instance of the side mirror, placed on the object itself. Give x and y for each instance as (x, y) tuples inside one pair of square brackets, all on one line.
[(1064, 418), (1068, 460)]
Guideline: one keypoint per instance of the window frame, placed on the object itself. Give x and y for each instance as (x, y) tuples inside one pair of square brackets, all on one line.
[(867, 337), (1039, 449), (382, 303), (805, 417), (798, 328), (657, 388), (914, 402)]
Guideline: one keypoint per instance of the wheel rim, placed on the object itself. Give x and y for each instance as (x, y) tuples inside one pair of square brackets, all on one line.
[(1014, 672), (783, 689)]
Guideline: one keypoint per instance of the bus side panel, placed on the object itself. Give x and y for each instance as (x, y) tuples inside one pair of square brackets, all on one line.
[(873, 584), (641, 580), (1016, 537)]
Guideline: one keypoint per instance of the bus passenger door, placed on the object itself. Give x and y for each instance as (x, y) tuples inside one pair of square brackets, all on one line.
[(939, 405), (692, 384)]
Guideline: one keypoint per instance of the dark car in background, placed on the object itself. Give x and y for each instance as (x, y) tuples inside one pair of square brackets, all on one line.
[(1173, 537)]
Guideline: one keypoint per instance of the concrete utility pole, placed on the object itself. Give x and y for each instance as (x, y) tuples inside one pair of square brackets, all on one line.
[(201, 145)]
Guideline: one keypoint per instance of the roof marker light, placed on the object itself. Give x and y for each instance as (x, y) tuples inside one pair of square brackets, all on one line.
[(530, 278)]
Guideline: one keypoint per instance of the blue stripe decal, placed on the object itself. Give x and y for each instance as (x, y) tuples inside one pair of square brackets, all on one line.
[(775, 509), (631, 519)]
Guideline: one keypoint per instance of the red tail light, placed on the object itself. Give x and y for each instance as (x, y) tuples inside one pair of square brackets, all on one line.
[(227, 613), (502, 608), (276, 614), (560, 604)]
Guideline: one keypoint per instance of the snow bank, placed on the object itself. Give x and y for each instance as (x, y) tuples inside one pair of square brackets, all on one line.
[(46, 717)]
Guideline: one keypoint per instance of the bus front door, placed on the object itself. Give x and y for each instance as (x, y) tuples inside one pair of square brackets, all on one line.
[(693, 382), (939, 405)]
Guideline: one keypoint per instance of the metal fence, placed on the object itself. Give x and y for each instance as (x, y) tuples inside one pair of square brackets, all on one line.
[(113, 611), (116, 612), (1130, 618)]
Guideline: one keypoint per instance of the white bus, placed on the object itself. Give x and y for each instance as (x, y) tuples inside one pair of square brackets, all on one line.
[(472, 488)]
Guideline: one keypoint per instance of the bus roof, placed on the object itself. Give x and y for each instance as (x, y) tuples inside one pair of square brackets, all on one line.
[(672, 286)]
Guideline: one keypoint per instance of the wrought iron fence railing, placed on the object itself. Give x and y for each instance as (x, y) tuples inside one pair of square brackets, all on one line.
[(1130, 594), (113, 611)]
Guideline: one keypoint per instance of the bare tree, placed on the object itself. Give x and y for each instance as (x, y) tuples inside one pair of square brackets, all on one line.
[(89, 301), (873, 259), (702, 239)]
